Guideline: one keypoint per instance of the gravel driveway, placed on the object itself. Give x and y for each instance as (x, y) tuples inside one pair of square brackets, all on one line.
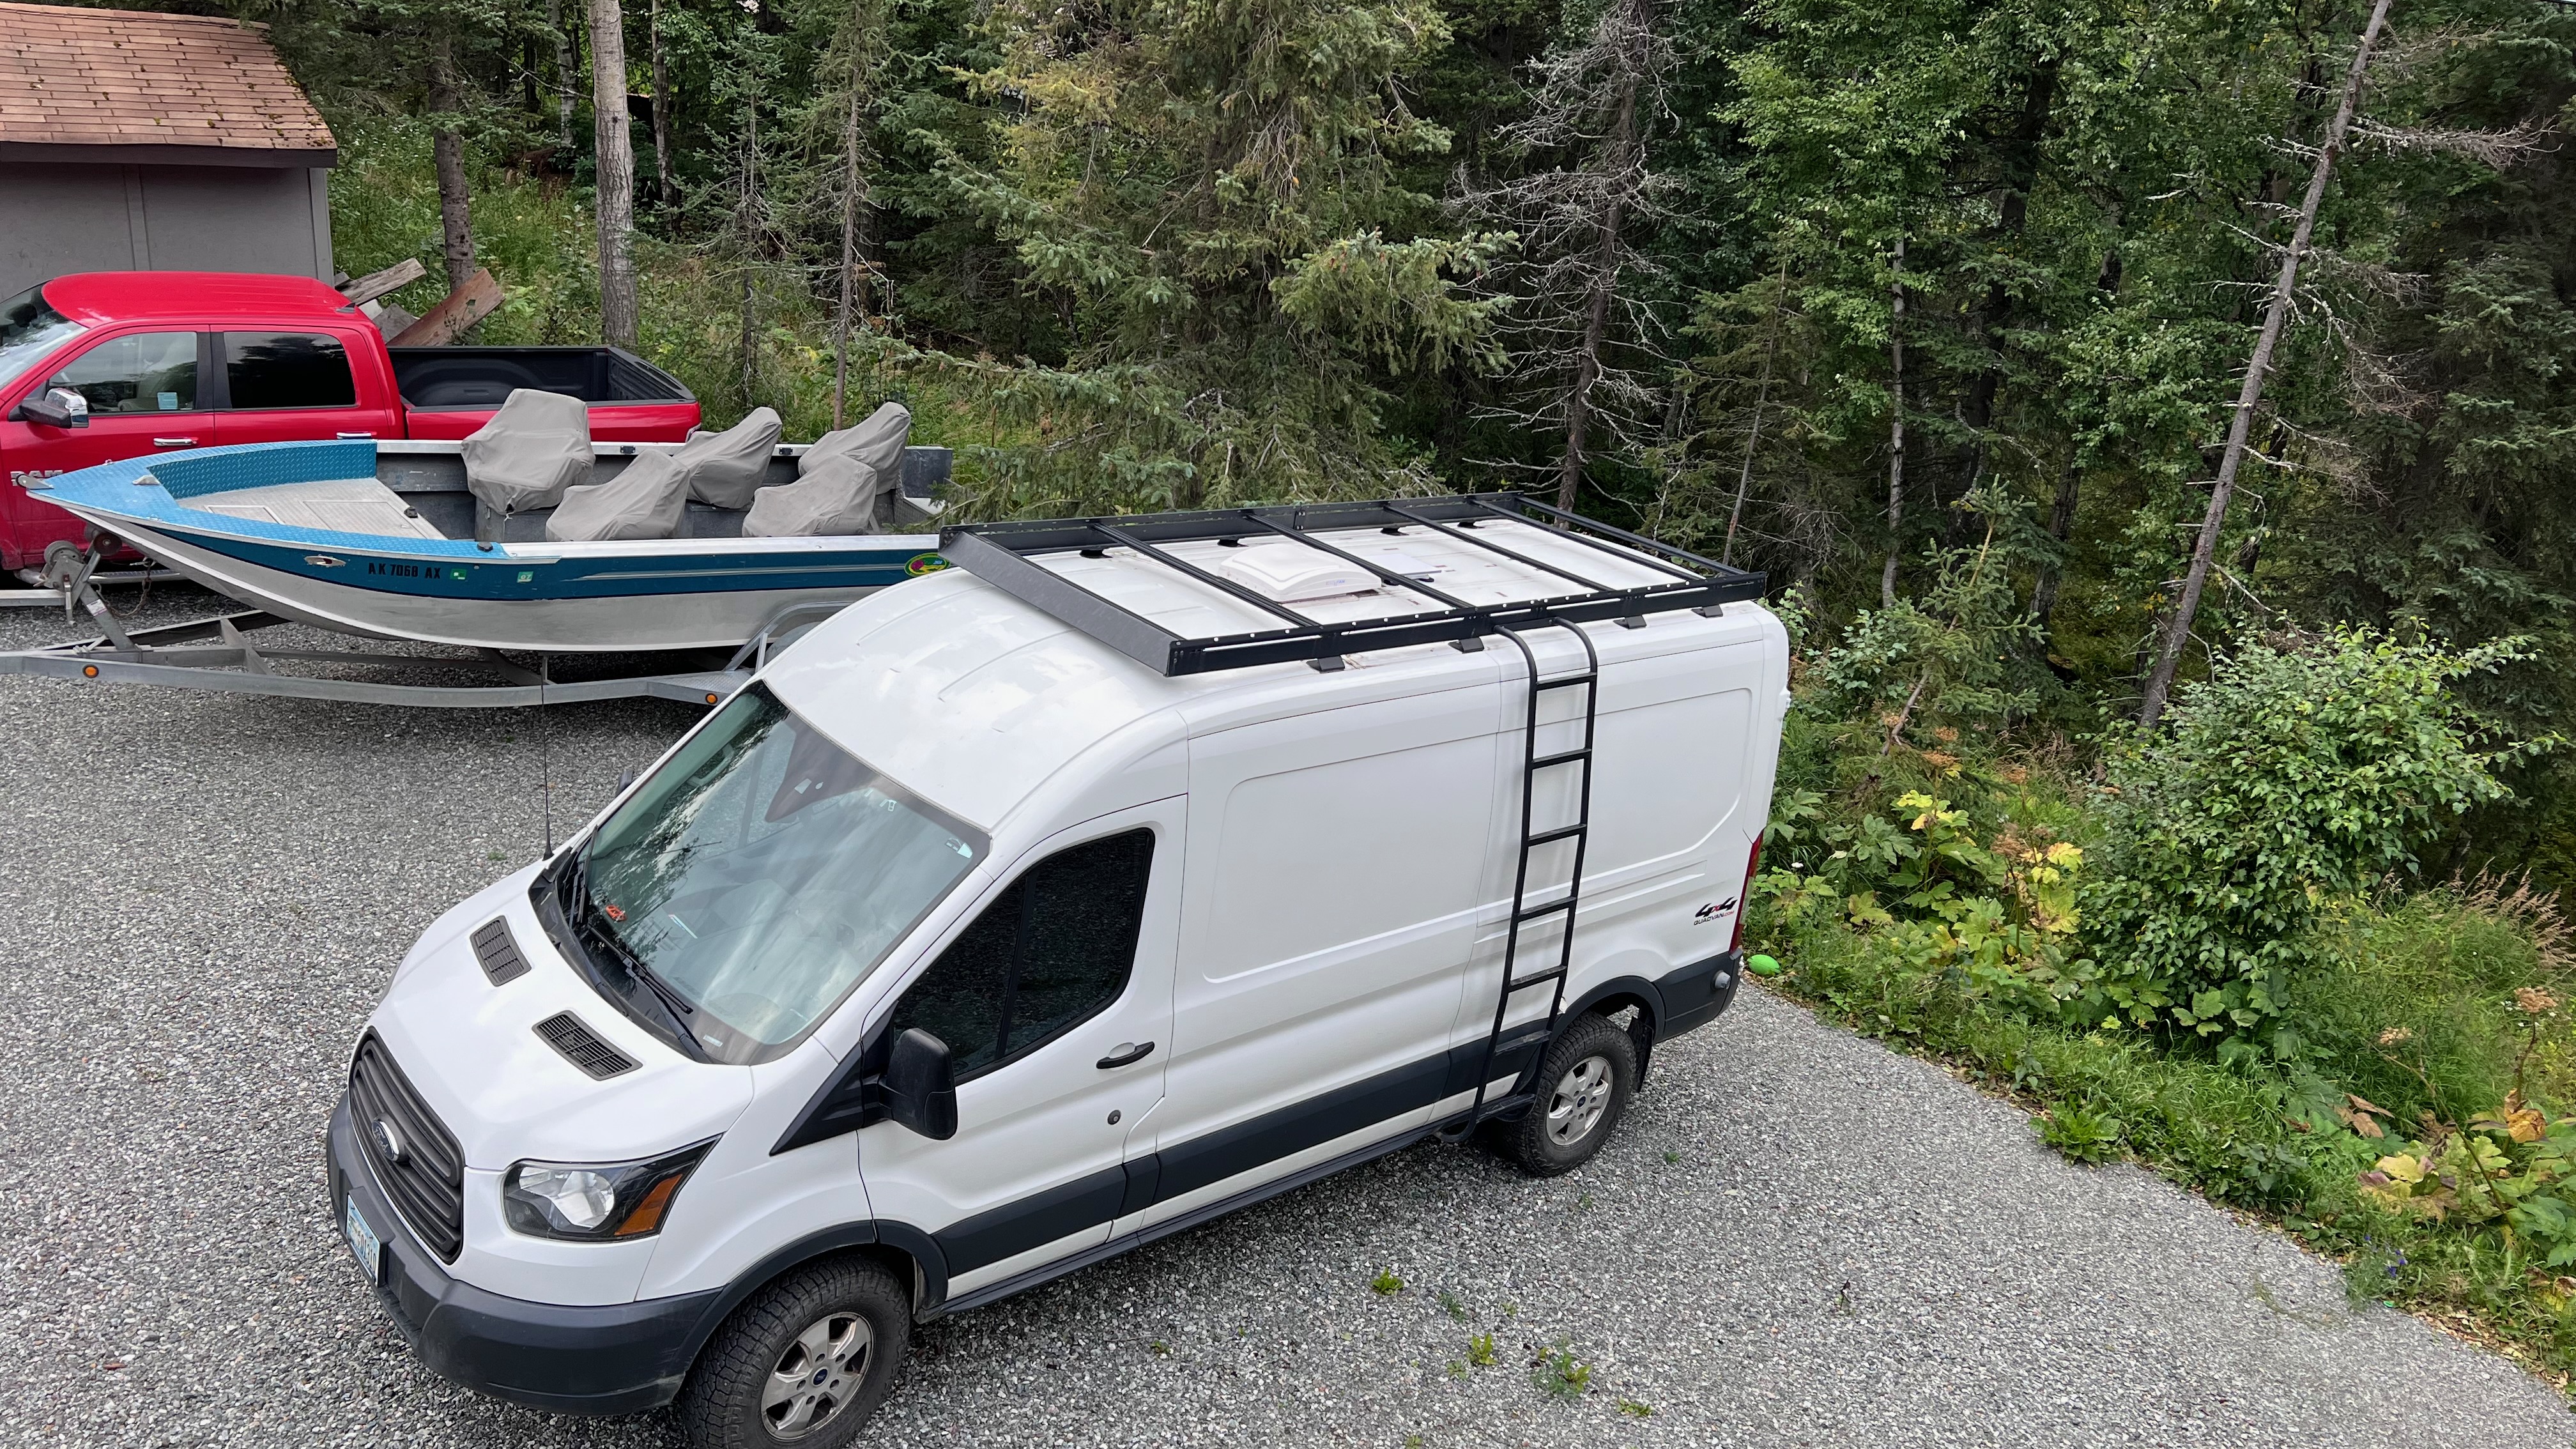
[(1798, 1238)]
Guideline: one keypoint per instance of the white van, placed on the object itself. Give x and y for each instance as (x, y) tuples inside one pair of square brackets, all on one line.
[(1127, 873)]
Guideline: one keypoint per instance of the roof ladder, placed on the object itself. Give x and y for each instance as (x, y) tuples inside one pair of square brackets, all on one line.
[(1532, 841)]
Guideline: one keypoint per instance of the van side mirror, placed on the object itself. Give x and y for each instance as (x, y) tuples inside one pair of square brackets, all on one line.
[(920, 1085), (58, 407)]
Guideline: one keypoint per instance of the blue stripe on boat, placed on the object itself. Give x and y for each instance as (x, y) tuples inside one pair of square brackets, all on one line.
[(444, 568)]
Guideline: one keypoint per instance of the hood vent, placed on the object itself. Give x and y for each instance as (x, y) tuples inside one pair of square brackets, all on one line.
[(582, 1047), (499, 952)]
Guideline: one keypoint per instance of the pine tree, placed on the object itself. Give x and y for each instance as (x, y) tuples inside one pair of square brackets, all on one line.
[(1208, 191), (1584, 340)]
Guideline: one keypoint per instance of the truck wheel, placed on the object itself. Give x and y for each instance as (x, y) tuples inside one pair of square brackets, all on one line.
[(1583, 1087), (804, 1362)]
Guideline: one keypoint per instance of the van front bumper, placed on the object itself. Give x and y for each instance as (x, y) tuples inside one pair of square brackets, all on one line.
[(618, 1359)]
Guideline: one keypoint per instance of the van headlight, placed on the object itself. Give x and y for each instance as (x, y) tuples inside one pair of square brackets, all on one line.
[(588, 1202)]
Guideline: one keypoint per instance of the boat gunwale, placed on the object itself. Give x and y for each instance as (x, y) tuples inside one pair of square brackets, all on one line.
[(87, 494)]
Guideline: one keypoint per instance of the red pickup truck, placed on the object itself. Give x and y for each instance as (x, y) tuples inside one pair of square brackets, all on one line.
[(106, 365)]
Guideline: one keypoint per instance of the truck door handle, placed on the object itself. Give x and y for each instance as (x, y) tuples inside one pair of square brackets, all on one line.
[(352, 437), (1127, 1052), (174, 442)]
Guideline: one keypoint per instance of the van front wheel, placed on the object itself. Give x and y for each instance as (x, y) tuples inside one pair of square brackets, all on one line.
[(1583, 1088), (804, 1362)]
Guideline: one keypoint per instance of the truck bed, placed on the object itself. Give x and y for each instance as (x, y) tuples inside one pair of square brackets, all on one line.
[(478, 379)]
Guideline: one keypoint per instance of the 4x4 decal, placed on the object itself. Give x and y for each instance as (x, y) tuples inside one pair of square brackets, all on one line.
[(1711, 912)]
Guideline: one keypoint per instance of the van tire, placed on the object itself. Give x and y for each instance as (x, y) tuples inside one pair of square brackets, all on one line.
[(822, 1305), (1584, 1083)]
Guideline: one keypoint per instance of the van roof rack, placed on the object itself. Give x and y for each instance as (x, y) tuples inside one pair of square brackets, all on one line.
[(1002, 555)]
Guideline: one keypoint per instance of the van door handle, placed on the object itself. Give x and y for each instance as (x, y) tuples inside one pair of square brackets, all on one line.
[(174, 442), (1127, 1052)]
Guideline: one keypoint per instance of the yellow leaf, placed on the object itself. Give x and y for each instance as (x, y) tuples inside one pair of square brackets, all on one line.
[(2405, 1169)]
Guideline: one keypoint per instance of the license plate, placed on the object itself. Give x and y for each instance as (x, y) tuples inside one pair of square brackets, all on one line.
[(363, 1242)]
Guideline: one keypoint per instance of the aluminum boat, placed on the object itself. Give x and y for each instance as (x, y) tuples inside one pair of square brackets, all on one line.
[(379, 539)]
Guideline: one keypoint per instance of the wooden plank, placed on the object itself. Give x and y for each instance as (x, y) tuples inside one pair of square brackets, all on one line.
[(375, 284), (390, 320), (448, 320)]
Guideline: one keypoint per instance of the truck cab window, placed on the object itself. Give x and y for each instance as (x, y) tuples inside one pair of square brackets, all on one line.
[(144, 372), (287, 370), (1049, 953)]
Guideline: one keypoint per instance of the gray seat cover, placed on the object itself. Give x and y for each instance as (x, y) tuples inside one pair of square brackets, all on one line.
[(534, 448), (837, 497), (877, 442), (725, 469), (645, 501)]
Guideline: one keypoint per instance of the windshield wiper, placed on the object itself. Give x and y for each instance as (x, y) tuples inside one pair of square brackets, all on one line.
[(585, 920)]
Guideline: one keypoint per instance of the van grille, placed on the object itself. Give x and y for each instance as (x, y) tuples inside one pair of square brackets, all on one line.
[(427, 1180), (499, 952), (564, 1032)]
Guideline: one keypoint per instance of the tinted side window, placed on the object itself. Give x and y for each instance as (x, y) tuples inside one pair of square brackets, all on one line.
[(146, 372), (1048, 954), (961, 997), (288, 370)]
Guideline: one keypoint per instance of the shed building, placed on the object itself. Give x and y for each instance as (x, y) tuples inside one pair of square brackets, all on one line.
[(135, 141)]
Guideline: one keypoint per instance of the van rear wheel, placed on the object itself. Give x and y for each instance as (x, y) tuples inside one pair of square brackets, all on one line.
[(803, 1363), (1583, 1087)]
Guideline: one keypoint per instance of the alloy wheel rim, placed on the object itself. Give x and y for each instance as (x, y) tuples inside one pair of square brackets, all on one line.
[(817, 1377), (1581, 1096)]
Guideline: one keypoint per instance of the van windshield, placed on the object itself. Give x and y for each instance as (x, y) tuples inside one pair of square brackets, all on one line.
[(29, 332), (755, 879)]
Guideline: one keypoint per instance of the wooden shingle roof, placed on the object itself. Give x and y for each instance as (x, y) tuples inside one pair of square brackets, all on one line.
[(185, 89)]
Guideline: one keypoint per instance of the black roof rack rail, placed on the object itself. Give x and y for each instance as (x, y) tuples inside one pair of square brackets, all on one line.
[(1001, 554)]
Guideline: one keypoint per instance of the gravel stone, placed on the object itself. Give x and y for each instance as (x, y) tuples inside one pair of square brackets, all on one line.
[(1797, 1238)]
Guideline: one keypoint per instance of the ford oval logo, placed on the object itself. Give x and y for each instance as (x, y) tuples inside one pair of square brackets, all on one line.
[(390, 1137)]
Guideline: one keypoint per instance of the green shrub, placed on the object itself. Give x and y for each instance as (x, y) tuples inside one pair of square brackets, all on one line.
[(2291, 779), (2414, 1003), (2081, 1133)]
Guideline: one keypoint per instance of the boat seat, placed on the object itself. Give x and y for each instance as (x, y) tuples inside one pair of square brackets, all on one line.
[(340, 505), (647, 500)]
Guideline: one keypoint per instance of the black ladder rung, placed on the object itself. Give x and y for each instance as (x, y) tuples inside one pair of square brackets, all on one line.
[(1542, 762), (1551, 837), (1551, 908), (1568, 682), (1536, 978)]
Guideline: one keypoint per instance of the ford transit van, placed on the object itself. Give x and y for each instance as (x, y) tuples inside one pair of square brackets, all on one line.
[(1128, 872)]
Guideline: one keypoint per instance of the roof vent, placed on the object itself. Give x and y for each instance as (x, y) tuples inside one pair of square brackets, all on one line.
[(499, 953), (1287, 575), (582, 1047)]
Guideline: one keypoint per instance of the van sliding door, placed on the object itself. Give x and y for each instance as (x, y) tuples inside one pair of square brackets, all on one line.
[(1336, 860)]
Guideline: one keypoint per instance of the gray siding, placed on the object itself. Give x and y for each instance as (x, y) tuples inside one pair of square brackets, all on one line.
[(114, 218)]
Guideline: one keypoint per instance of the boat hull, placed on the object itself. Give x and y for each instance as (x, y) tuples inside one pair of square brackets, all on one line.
[(618, 623)]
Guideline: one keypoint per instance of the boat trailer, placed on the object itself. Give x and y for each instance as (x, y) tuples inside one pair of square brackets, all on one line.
[(218, 654)]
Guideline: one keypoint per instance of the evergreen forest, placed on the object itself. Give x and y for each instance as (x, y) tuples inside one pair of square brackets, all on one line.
[(2157, 424)]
